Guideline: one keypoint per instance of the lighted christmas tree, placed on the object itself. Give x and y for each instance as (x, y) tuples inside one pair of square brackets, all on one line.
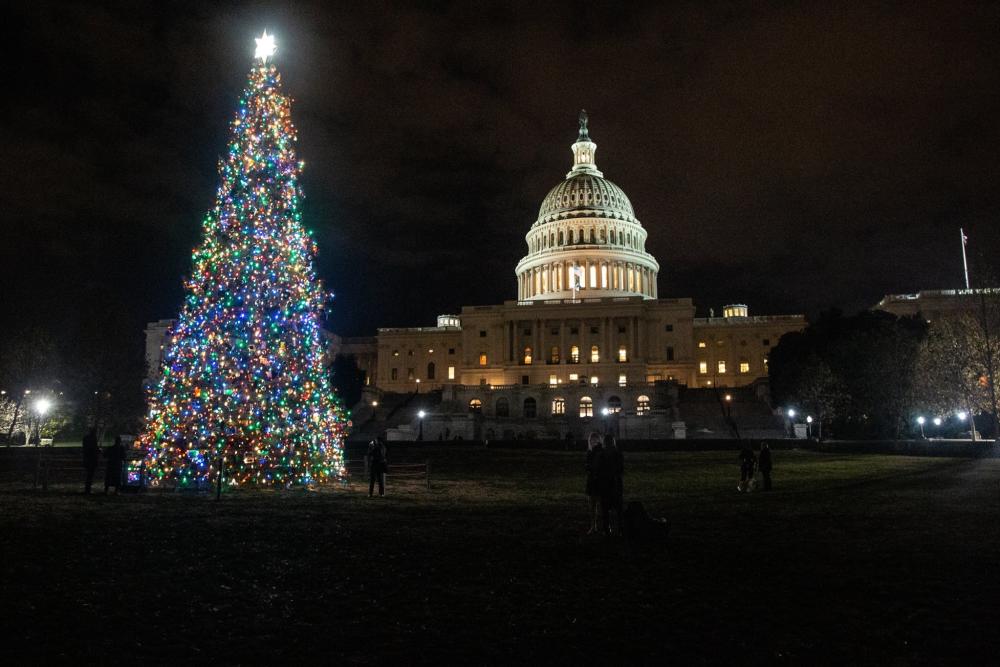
[(243, 373)]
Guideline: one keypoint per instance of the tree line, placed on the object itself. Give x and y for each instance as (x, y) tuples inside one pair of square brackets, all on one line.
[(873, 375)]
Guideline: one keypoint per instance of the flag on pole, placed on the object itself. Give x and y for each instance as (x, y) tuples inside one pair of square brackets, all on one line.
[(577, 273)]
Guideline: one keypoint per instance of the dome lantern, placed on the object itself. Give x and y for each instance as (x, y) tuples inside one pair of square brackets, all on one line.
[(584, 150)]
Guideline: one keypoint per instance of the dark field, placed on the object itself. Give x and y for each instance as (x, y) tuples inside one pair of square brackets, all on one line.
[(859, 559)]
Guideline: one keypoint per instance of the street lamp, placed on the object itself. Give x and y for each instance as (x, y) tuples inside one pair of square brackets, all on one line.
[(921, 420), (937, 421), (791, 413), (42, 406), (809, 424), (421, 414)]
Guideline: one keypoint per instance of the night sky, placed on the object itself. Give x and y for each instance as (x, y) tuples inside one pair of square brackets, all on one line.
[(793, 156)]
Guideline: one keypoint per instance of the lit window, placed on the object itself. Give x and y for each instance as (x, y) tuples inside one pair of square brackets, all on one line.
[(554, 355), (642, 405), (475, 405), (553, 380), (558, 406), (595, 354), (604, 276), (574, 355), (451, 372), (586, 407), (701, 343), (482, 359), (593, 268), (622, 380), (593, 380), (622, 354), (614, 405), (744, 366), (527, 356), (722, 366), (703, 367), (573, 377)]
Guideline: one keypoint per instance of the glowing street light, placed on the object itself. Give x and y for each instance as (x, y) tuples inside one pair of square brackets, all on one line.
[(962, 415), (921, 420), (937, 421), (791, 413), (42, 406), (421, 414)]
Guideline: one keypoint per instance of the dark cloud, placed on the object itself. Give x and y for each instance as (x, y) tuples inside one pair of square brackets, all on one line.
[(793, 156)]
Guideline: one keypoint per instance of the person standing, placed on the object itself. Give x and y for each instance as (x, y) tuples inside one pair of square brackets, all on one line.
[(747, 463), (764, 465), (593, 490), (115, 454), (90, 454), (615, 462), (377, 467)]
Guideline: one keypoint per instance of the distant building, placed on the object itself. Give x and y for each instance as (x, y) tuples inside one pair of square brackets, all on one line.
[(934, 304)]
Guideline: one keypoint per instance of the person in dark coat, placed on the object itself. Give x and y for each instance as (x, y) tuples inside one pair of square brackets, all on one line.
[(377, 466), (91, 452), (747, 463), (593, 489), (615, 499), (764, 465), (115, 454)]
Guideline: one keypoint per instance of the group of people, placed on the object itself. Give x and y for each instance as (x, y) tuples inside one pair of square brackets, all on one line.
[(751, 465), (115, 455), (605, 491)]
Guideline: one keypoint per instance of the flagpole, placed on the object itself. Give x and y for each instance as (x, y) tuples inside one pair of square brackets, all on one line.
[(965, 263)]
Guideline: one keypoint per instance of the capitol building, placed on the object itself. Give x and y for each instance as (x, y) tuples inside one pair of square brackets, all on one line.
[(589, 341)]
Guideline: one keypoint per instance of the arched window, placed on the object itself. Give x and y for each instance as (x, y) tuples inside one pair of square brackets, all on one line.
[(593, 235), (611, 237), (614, 405), (604, 276), (622, 354), (560, 237), (530, 408), (586, 407), (552, 239), (642, 405), (595, 354), (579, 239), (430, 371), (574, 354), (558, 406), (527, 356), (554, 355), (503, 407), (475, 406)]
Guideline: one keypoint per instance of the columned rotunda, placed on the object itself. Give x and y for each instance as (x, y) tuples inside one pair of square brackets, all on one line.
[(586, 240)]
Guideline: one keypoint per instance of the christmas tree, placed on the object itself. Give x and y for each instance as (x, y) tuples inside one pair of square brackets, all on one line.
[(243, 375)]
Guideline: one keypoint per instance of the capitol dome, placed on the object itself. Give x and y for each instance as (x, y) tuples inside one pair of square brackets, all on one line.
[(586, 241)]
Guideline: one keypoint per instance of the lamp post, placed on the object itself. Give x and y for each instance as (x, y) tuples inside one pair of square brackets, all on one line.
[(421, 415), (42, 406), (937, 425), (921, 420), (809, 423), (729, 405), (962, 416)]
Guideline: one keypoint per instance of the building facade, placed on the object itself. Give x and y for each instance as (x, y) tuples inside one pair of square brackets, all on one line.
[(587, 337)]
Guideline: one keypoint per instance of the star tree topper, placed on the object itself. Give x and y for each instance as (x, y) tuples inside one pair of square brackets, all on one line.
[(265, 46)]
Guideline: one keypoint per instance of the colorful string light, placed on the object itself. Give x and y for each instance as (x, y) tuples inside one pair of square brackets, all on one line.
[(243, 375)]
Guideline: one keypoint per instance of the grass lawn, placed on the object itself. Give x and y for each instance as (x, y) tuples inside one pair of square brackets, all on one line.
[(851, 559)]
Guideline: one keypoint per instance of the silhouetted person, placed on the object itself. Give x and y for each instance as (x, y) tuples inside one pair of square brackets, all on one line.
[(376, 467), (747, 462), (115, 454), (764, 465), (90, 454), (593, 488), (615, 498)]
